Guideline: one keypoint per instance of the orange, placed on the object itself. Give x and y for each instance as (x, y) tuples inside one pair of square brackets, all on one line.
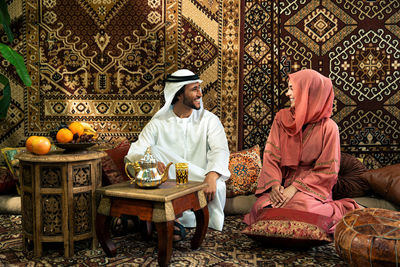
[(64, 135), (41, 145), (28, 143), (76, 127)]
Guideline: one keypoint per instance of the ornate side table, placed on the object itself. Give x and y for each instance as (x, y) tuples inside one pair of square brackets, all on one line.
[(58, 197)]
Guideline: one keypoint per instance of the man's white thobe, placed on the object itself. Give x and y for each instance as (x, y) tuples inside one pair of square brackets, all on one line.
[(199, 141)]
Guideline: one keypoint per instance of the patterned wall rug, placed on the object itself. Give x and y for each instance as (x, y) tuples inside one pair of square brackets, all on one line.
[(95, 61), (12, 127), (226, 248), (203, 36), (355, 43), (104, 62)]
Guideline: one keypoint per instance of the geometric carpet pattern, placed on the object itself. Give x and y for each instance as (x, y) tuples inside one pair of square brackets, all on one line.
[(204, 36), (355, 43), (226, 248), (96, 61), (104, 62)]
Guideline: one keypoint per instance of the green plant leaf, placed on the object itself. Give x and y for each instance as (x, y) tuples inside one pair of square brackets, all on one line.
[(5, 20), (18, 61), (5, 100)]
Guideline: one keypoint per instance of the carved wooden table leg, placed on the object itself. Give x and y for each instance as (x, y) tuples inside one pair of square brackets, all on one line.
[(202, 216), (165, 235), (103, 224)]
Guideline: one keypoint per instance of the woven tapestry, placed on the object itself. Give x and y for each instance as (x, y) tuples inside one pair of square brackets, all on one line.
[(96, 61), (203, 36), (104, 62), (355, 43), (11, 128)]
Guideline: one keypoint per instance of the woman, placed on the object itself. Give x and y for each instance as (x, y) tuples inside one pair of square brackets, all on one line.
[(302, 153)]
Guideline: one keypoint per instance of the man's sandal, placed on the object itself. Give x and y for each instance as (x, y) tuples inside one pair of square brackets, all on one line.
[(124, 225), (179, 232)]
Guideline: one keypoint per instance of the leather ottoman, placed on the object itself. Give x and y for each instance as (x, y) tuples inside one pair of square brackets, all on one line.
[(369, 237)]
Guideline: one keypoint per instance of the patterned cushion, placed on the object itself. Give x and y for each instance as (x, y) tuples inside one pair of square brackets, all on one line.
[(113, 165), (287, 227), (245, 167), (9, 157), (12, 163)]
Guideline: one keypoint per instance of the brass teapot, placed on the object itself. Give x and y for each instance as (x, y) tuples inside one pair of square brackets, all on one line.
[(146, 172)]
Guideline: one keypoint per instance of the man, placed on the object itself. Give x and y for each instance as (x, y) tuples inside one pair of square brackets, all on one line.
[(183, 131)]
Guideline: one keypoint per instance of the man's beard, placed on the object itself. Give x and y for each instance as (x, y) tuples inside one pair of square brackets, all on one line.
[(189, 103)]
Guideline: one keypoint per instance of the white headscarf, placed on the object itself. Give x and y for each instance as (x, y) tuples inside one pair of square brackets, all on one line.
[(176, 81)]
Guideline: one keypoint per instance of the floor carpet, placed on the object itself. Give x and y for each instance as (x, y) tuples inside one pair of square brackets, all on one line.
[(226, 248)]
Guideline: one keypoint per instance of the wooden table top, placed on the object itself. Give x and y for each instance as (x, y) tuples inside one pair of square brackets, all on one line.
[(61, 156), (163, 193)]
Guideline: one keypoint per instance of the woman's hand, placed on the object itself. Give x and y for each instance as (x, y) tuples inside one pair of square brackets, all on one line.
[(276, 195), (288, 193)]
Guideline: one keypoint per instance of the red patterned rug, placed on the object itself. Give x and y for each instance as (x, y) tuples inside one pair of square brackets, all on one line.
[(226, 248)]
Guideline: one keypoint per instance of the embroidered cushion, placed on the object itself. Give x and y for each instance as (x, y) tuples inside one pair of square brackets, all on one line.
[(113, 165), (9, 158), (290, 228), (349, 183), (245, 167), (12, 163)]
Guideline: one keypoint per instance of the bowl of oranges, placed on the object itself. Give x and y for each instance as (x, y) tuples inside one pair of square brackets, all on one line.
[(75, 136)]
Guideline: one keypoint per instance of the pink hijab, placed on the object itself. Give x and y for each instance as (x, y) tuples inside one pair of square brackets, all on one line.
[(313, 96)]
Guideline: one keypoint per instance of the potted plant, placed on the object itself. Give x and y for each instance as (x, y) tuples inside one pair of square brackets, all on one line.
[(14, 58)]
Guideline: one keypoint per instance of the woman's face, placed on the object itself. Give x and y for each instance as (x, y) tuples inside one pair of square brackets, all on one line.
[(290, 94)]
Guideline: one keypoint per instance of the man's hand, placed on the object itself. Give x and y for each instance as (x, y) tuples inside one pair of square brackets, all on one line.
[(211, 180), (276, 195), (160, 167), (288, 193)]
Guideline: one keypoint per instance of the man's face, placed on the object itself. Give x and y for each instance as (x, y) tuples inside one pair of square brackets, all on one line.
[(192, 95)]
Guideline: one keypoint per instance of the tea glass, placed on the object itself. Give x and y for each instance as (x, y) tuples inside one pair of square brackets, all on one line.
[(182, 173)]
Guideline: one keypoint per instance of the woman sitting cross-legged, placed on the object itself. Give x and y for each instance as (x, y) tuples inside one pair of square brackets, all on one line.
[(302, 154)]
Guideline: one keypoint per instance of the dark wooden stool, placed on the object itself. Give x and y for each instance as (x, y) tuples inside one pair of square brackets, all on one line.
[(161, 206)]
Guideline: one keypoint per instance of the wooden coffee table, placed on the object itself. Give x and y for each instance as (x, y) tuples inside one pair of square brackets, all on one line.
[(161, 206)]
